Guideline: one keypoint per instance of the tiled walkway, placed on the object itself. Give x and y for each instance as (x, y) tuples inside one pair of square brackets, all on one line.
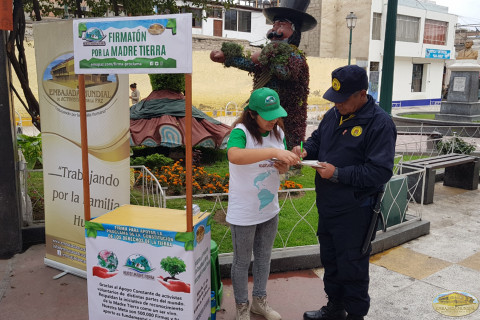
[(404, 280)]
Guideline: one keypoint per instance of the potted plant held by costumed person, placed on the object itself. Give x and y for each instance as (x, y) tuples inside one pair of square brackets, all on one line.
[(173, 266)]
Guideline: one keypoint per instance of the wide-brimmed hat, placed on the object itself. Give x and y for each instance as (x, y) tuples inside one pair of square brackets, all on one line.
[(266, 103), (293, 10), (346, 81)]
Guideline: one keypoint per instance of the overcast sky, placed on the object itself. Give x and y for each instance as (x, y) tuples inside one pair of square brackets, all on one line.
[(468, 11)]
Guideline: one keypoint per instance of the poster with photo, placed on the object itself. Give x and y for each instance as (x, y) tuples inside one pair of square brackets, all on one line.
[(108, 144)]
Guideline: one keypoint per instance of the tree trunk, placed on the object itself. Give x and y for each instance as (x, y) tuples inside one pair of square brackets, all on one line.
[(20, 64), (79, 8), (115, 8), (36, 10)]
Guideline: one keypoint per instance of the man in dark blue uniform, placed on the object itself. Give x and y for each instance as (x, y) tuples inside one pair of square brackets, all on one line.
[(355, 146)]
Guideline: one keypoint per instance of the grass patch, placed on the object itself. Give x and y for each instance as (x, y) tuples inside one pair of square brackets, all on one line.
[(289, 228), (36, 194), (294, 229)]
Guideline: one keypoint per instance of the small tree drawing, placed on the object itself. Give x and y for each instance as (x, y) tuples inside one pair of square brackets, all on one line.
[(173, 266)]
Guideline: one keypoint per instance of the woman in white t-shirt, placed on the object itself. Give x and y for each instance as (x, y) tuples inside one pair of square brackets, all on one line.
[(257, 155)]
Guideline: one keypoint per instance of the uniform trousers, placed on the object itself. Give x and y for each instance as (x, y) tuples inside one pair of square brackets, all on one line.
[(346, 275)]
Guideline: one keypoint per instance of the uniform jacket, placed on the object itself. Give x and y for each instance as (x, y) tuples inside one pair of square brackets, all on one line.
[(362, 149)]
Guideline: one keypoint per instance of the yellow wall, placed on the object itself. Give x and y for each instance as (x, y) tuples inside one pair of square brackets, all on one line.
[(213, 85)]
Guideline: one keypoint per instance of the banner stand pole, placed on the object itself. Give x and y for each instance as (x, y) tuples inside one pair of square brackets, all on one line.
[(84, 144), (188, 150)]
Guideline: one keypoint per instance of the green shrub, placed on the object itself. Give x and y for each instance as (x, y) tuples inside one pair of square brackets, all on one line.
[(211, 155), (173, 82), (138, 161), (31, 147), (232, 50), (455, 145), (153, 161), (201, 155), (156, 161), (143, 151)]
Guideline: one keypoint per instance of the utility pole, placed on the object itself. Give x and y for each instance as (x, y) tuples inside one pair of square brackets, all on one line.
[(386, 87), (10, 217)]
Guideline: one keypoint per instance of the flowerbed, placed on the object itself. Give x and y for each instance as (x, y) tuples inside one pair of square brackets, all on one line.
[(173, 179)]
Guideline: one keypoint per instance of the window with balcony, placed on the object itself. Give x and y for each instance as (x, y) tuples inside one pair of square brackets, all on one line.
[(376, 26), (435, 32), (407, 28)]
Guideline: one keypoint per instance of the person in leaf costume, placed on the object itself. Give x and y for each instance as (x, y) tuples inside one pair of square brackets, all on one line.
[(280, 65)]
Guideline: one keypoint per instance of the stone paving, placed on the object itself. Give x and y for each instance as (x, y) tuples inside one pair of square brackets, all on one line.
[(404, 279)]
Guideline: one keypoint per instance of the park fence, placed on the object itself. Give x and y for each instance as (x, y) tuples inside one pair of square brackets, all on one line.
[(298, 213)]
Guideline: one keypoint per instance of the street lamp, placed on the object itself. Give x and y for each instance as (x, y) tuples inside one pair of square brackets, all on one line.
[(351, 22)]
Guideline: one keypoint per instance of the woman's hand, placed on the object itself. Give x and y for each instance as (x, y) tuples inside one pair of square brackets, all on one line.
[(281, 166), (288, 157)]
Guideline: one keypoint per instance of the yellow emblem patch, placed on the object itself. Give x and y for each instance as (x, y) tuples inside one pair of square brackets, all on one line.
[(356, 131), (335, 84)]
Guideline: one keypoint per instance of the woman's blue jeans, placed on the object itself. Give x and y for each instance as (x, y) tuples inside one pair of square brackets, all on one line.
[(258, 239)]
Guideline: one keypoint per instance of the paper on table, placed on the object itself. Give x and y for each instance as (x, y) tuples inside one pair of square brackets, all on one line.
[(311, 163)]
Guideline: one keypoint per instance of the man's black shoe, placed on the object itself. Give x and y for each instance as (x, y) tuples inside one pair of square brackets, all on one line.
[(332, 311)]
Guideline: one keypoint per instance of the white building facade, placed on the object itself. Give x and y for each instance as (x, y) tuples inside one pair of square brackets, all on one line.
[(239, 22), (425, 41)]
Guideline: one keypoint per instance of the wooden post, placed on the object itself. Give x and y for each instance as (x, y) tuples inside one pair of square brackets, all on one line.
[(188, 149), (84, 143)]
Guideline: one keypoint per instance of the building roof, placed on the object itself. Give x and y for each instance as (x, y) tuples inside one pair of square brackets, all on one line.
[(423, 4)]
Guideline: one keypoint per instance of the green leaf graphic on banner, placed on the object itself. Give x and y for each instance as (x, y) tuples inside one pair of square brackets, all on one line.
[(186, 237), (189, 246), (82, 27), (172, 24), (92, 228), (91, 233)]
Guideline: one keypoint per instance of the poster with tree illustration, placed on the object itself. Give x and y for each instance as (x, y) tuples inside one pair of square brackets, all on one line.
[(136, 270)]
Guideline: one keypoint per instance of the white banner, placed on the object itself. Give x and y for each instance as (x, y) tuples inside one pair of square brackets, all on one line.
[(150, 44), (108, 142)]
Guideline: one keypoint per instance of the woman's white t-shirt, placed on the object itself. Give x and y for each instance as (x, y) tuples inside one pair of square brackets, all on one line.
[(253, 188)]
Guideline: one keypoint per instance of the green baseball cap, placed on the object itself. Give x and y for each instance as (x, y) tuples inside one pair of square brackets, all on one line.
[(267, 103)]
